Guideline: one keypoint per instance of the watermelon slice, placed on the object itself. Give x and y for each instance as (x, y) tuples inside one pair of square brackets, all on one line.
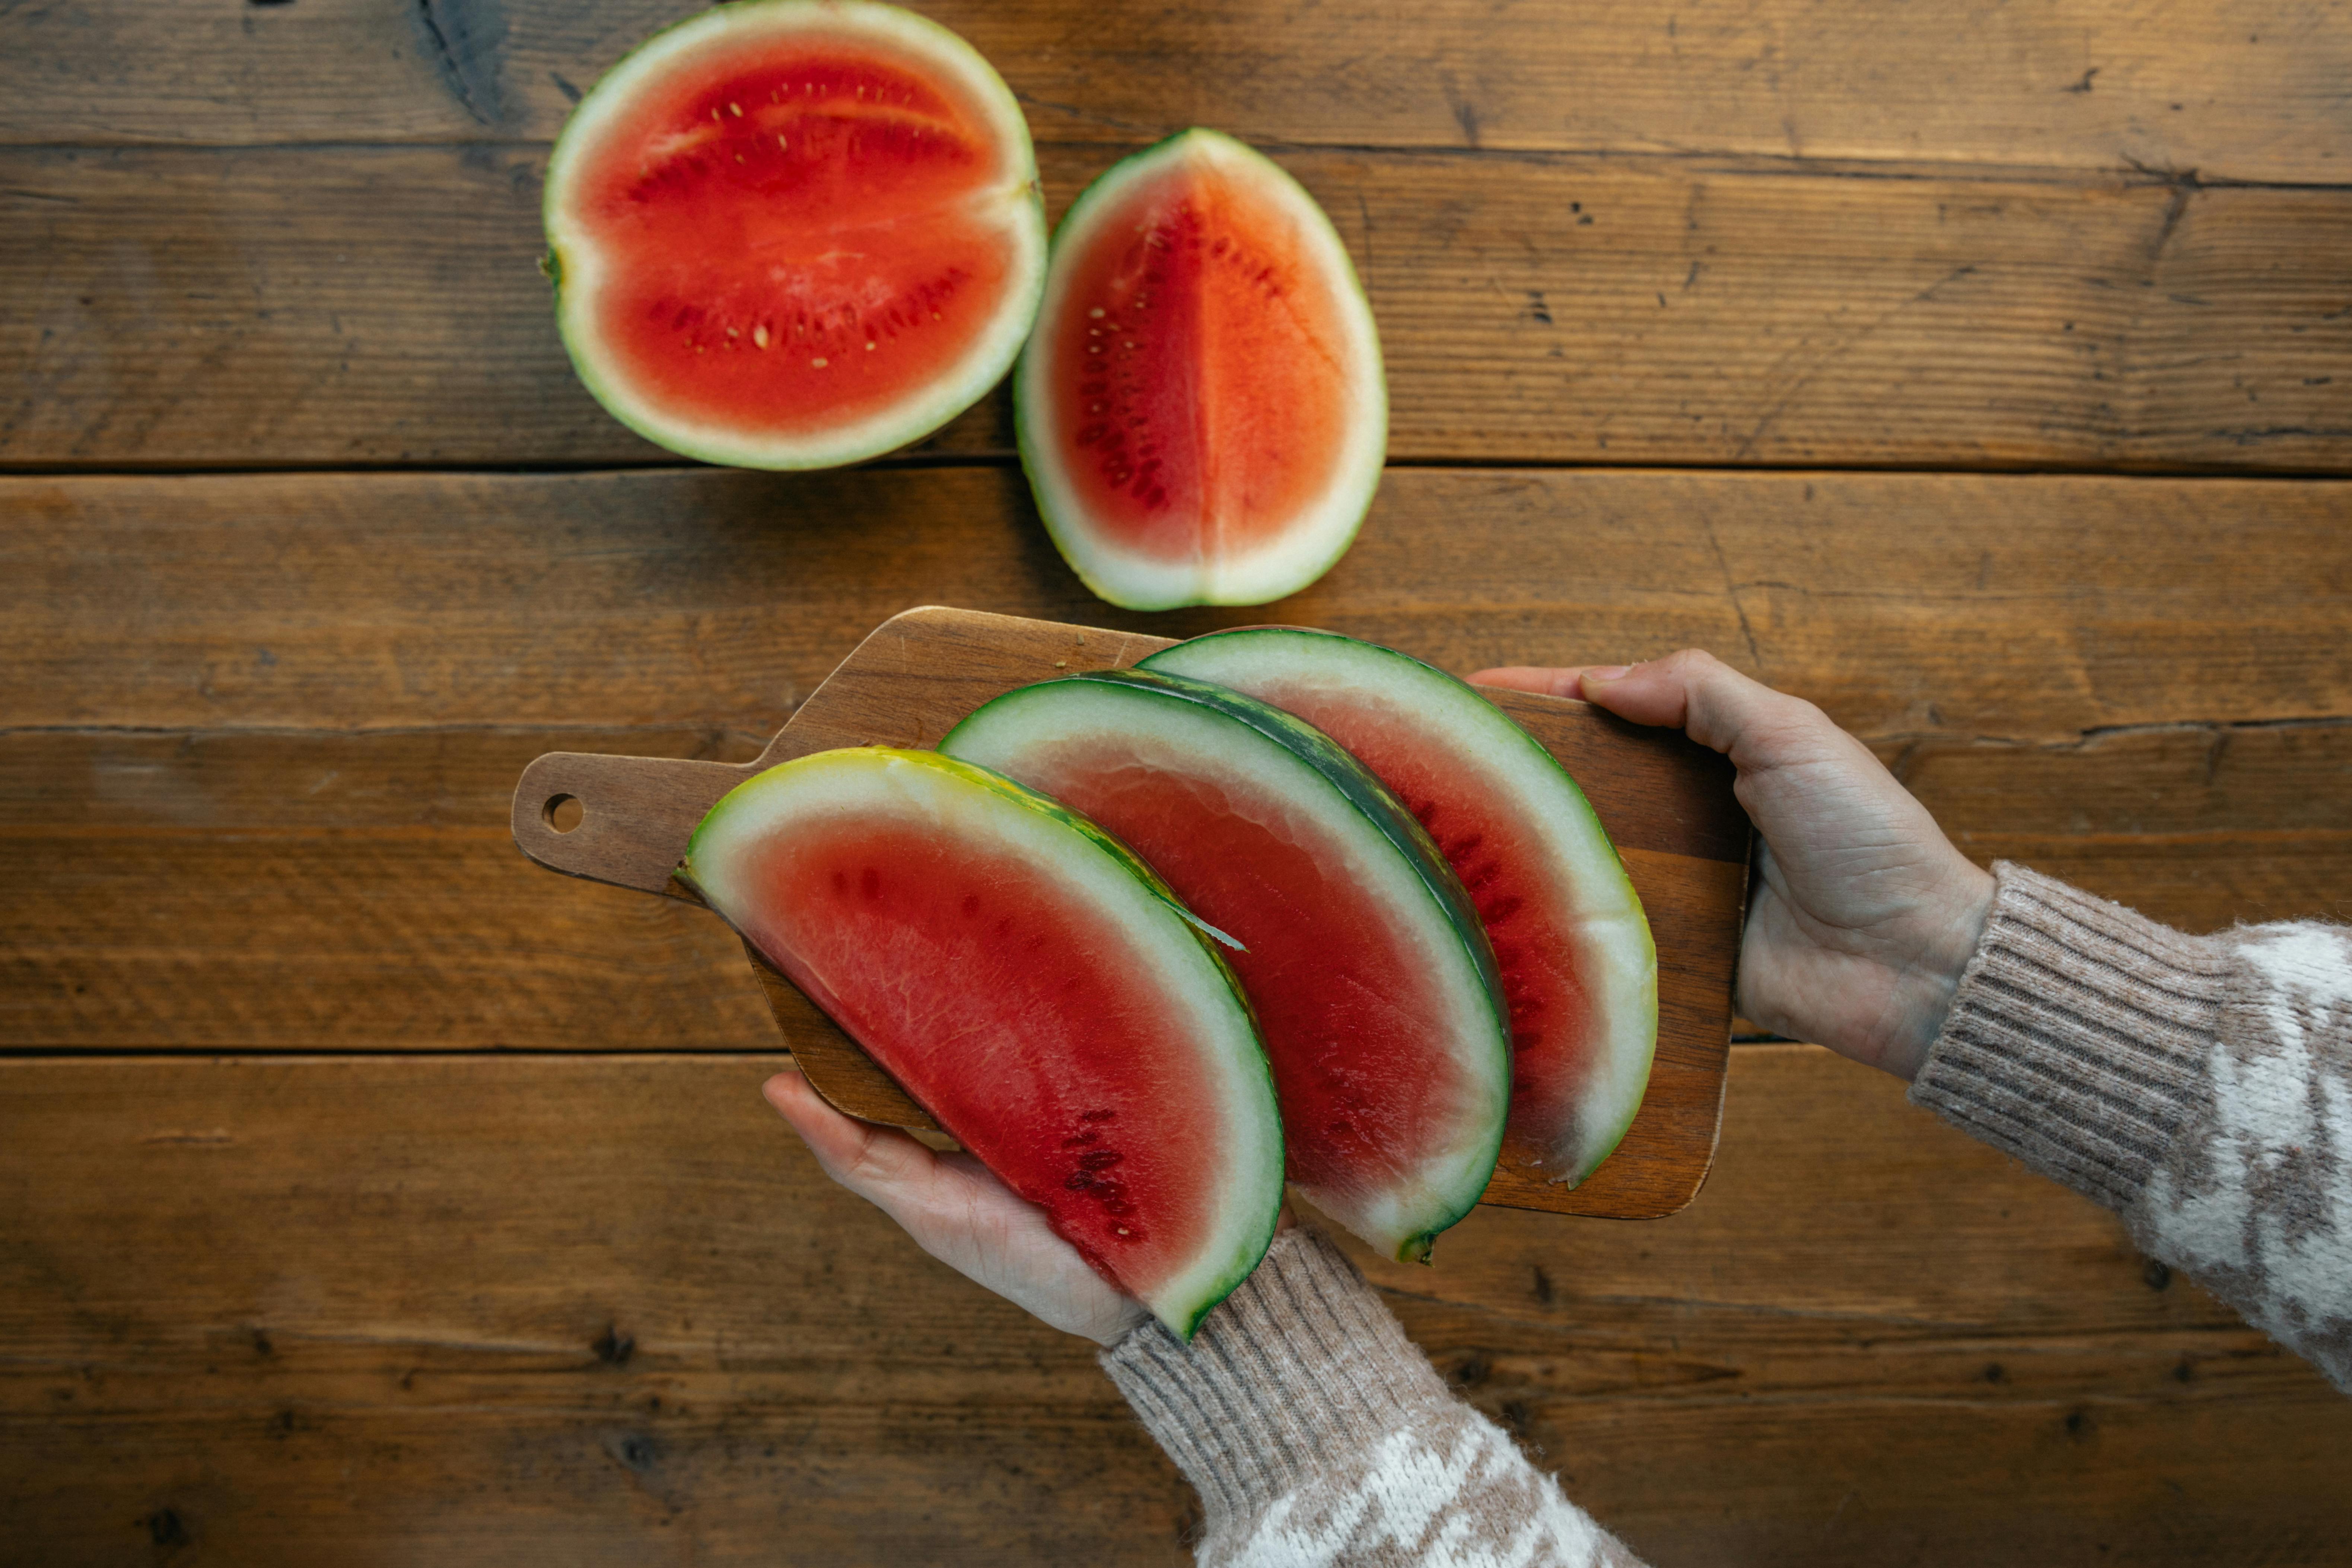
[(790, 233), (1568, 931), (1033, 986), (1201, 412), (1372, 982)]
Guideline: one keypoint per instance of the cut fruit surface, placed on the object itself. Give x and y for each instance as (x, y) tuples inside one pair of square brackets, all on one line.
[(1371, 980), (1578, 965), (1030, 983), (1202, 411), (790, 233)]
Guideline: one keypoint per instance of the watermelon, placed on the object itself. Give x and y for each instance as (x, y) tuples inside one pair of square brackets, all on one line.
[(789, 234), (1568, 931), (1202, 411), (1030, 983), (1378, 1001)]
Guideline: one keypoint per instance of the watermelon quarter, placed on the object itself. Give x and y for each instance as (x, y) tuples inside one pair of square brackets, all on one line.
[(788, 234), (1371, 980), (1202, 410), (1030, 983), (1569, 935)]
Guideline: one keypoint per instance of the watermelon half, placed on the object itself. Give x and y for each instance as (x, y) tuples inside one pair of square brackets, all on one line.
[(789, 234), (1371, 980), (1031, 984), (1578, 964), (1202, 411)]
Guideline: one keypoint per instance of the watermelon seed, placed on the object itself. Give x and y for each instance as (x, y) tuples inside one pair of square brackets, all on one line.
[(1121, 1229), (818, 362), (760, 337), (738, 108), (1096, 313), (869, 348), (733, 333)]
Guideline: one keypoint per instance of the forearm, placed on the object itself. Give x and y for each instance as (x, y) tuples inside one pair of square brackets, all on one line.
[(1316, 1433), (2199, 1086)]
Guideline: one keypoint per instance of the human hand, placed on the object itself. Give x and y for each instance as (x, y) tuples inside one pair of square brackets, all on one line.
[(1865, 914), (959, 1214)]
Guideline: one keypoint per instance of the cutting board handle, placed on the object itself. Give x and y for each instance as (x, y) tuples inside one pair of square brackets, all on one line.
[(635, 814)]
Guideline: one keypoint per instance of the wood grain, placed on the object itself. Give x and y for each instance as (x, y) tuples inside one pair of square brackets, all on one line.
[(340, 305), (607, 1311), (228, 891), (1666, 803), (256, 736), (2245, 89), (225, 892), (2019, 608), (914, 678)]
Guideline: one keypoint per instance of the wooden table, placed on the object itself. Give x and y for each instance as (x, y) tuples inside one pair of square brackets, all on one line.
[(1982, 371)]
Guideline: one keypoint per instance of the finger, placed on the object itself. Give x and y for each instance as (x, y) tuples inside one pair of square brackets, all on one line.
[(880, 1164), (1718, 707), (1528, 678)]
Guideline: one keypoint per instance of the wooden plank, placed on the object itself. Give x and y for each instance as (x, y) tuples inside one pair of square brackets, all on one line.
[(227, 891), (2241, 89), (2028, 608), (606, 1311), (338, 305)]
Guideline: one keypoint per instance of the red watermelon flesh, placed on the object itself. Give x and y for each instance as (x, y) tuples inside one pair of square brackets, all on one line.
[(790, 233), (1027, 984), (1369, 980), (1203, 410), (1570, 940)]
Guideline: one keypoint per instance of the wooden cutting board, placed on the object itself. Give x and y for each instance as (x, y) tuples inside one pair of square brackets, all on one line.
[(1667, 802)]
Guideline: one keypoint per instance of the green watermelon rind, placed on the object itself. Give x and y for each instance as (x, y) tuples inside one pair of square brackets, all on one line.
[(1123, 583), (1252, 1075), (1569, 815), (569, 261), (1359, 791)]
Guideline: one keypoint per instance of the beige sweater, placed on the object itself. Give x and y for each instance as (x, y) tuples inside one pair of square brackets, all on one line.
[(2199, 1086)]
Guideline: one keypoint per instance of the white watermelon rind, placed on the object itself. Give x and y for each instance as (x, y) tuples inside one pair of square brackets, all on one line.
[(1582, 852), (1408, 870), (1310, 546), (575, 267), (973, 802)]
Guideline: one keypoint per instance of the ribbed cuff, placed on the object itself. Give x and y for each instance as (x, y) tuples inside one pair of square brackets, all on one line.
[(2079, 1039), (1298, 1369)]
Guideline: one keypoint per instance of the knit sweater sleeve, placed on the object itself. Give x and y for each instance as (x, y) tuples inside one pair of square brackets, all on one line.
[(2201, 1087), (1316, 1434)]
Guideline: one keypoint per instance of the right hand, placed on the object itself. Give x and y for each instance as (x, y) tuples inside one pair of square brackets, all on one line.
[(1865, 915)]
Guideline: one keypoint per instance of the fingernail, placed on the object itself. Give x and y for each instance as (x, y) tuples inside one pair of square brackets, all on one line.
[(1608, 671)]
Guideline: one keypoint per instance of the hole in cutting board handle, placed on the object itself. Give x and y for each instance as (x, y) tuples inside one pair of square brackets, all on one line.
[(563, 813)]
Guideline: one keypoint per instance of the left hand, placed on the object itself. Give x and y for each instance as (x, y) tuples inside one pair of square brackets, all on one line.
[(959, 1214)]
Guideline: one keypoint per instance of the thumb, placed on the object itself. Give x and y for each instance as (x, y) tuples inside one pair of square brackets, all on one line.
[(1692, 691)]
